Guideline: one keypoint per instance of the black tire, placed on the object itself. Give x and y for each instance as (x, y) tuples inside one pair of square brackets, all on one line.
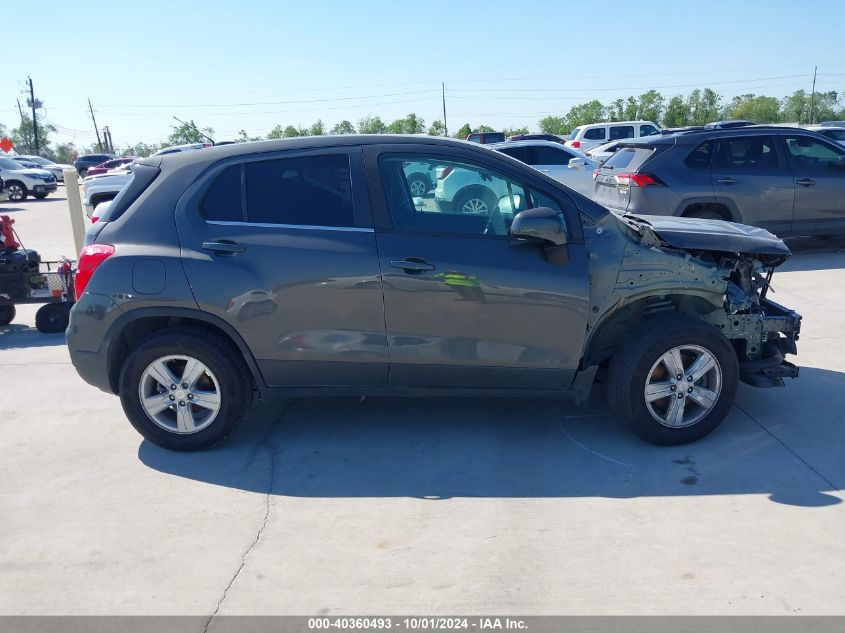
[(16, 191), (465, 197), (220, 356), (39, 196), (82, 173), (705, 214), (51, 318), (630, 367), (7, 313), (418, 184)]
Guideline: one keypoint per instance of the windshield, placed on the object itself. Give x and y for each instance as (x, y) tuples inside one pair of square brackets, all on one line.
[(8, 163)]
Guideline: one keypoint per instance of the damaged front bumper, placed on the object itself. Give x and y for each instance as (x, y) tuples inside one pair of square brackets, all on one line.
[(777, 331)]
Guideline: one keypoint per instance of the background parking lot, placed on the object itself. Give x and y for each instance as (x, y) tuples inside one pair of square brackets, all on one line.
[(421, 506)]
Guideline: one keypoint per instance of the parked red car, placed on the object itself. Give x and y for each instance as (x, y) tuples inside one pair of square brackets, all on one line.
[(109, 164)]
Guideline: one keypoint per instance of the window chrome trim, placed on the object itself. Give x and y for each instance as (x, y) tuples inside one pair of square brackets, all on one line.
[(309, 227)]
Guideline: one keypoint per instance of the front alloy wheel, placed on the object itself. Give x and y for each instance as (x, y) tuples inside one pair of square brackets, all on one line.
[(17, 192), (683, 386)]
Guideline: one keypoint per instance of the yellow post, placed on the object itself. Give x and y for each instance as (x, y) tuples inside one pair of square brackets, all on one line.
[(74, 203)]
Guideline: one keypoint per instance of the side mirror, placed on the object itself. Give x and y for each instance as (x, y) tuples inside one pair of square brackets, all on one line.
[(542, 224), (576, 163)]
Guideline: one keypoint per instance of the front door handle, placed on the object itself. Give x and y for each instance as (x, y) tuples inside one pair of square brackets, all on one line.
[(223, 247), (727, 180), (806, 182), (413, 265)]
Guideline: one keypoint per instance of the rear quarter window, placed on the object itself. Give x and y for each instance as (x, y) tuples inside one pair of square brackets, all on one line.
[(629, 158), (223, 201)]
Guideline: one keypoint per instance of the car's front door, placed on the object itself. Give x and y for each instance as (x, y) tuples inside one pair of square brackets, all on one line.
[(281, 247), (463, 306), (819, 185), (749, 172)]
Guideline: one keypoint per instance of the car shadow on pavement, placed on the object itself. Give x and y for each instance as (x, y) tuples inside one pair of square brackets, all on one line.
[(814, 254), (442, 448), (4, 210), (19, 336)]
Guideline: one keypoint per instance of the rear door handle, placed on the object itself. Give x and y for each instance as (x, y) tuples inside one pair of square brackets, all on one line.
[(727, 180), (413, 265), (806, 182), (223, 247)]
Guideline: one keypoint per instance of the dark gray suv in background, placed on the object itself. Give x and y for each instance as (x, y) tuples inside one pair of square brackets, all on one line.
[(306, 267), (789, 181)]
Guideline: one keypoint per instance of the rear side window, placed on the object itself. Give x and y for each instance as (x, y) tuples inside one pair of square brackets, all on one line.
[(700, 157), (746, 152), (595, 134), (621, 131), (223, 200), (306, 191), (519, 153), (547, 156), (628, 158)]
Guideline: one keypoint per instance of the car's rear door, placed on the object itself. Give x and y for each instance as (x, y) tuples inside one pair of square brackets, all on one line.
[(749, 172), (463, 306), (819, 185), (281, 247)]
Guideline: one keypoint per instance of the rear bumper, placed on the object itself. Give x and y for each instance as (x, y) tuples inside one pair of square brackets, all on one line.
[(779, 330), (87, 342)]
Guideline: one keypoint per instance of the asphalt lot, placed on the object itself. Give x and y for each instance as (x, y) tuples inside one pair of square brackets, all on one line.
[(435, 506)]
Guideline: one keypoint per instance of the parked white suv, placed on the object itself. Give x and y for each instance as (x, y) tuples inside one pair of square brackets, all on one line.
[(21, 182), (57, 169), (586, 137), (569, 166), (101, 189)]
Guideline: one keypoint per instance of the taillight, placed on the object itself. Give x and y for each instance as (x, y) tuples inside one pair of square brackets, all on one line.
[(637, 180), (89, 259), (575, 144), (94, 219), (446, 171)]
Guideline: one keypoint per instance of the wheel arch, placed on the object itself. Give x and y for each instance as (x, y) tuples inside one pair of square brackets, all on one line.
[(134, 326), (710, 203)]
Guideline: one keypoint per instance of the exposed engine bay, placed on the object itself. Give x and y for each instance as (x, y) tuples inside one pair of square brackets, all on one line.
[(716, 271)]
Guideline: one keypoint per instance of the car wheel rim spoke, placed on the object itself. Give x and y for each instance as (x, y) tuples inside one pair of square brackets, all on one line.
[(180, 405), (683, 386)]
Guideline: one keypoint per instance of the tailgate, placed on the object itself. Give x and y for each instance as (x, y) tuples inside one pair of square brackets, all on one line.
[(611, 186)]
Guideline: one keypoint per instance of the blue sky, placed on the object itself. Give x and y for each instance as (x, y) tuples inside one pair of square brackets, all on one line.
[(255, 63)]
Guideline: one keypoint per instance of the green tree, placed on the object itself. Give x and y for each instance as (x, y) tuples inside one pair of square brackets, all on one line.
[(554, 125), (141, 149), (411, 124), (514, 131), (677, 112), (436, 128), (317, 129), (243, 137), (371, 125), (464, 131), (344, 127), (22, 136), (650, 106), (704, 106), (622, 110), (292, 132), (66, 153), (585, 113), (188, 132), (759, 109), (826, 106)]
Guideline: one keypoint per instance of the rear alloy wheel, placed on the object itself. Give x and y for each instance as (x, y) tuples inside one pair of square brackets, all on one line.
[(17, 192), (184, 389), (675, 381), (7, 313), (51, 318)]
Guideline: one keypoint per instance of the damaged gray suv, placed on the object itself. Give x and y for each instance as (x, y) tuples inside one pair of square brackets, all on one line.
[(307, 267)]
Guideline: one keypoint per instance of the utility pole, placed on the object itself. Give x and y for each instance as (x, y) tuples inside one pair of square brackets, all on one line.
[(20, 109), (443, 89), (813, 94), (107, 139), (34, 121), (93, 118)]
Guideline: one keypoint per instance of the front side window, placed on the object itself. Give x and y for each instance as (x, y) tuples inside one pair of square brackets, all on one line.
[(809, 155), (833, 134), (467, 199), (621, 131), (648, 130), (475, 138), (595, 134), (746, 153), (542, 155), (306, 191)]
